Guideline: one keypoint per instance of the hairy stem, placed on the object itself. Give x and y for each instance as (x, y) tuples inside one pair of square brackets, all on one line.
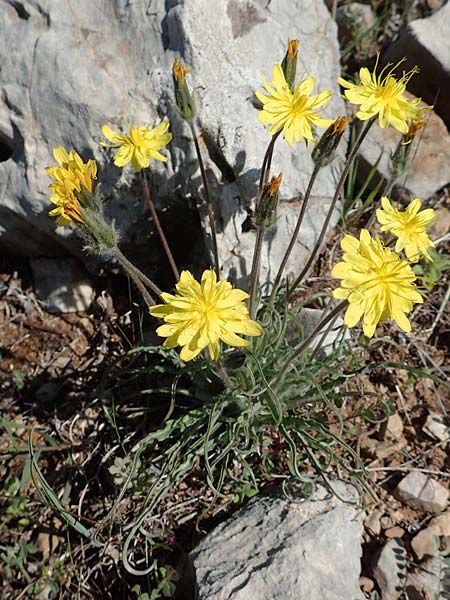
[(287, 254), (256, 263), (351, 157), (209, 206), (134, 272), (155, 218)]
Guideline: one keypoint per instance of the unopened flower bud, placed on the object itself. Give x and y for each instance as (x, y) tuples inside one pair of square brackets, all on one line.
[(324, 150), (183, 98), (266, 210), (400, 157), (289, 64)]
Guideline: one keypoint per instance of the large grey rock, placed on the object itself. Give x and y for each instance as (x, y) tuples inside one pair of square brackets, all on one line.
[(426, 43), (278, 548), (74, 66)]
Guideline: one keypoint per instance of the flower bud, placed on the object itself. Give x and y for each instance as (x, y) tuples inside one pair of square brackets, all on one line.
[(289, 64), (324, 150), (266, 210), (183, 98), (400, 157)]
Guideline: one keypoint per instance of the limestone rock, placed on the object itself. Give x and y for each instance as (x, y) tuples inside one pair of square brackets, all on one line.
[(279, 548), (390, 569), (422, 492), (424, 543), (429, 166), (426, 43), (72, 67), (437, 427), (62, 284)]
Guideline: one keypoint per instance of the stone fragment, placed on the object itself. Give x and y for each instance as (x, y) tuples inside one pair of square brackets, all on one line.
[(390, 569), (62, 284), (440, 524), (366, 584), (429, 168), (437, 427), (394, 532), (279, 548), (424, 543), (422, 492), (355, 22), (372, 521), (307, 321), (426, 43), (441, 225), (393, 428)]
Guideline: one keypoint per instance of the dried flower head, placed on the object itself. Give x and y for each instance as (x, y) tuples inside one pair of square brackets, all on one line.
[(377, 283), (292, 112), (409, 226), (203, 314), (140, 146)]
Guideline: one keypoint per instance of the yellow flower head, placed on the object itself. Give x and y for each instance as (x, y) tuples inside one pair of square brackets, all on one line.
[(292, 112), (409, 226), (383, 95), (140, 146), (377, 283), (202, 315), (72, 176)]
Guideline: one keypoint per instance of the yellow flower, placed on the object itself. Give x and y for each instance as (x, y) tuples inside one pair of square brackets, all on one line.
[(140, 146), (72, 176), (202, 315), (377, 283), (409, 226), (383, 95), (292, 112)]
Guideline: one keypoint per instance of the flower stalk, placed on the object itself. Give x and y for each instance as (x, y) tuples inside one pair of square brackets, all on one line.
[(209, 206), (351, 157), (159, 229)]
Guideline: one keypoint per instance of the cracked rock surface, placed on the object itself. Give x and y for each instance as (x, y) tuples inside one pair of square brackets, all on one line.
[(297, 549), (74, 66)]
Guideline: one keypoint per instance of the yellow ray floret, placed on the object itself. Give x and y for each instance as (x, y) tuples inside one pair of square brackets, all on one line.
[(70, 178), (409, 226), (203, 314), (384, 95), (377, 283), (139, 146), (292, 112)]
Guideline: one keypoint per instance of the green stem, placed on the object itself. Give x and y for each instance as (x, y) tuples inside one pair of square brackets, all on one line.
[(306, 343), (364, 131), (209, 206), (256, 265), (155, 218), (287, 254)]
